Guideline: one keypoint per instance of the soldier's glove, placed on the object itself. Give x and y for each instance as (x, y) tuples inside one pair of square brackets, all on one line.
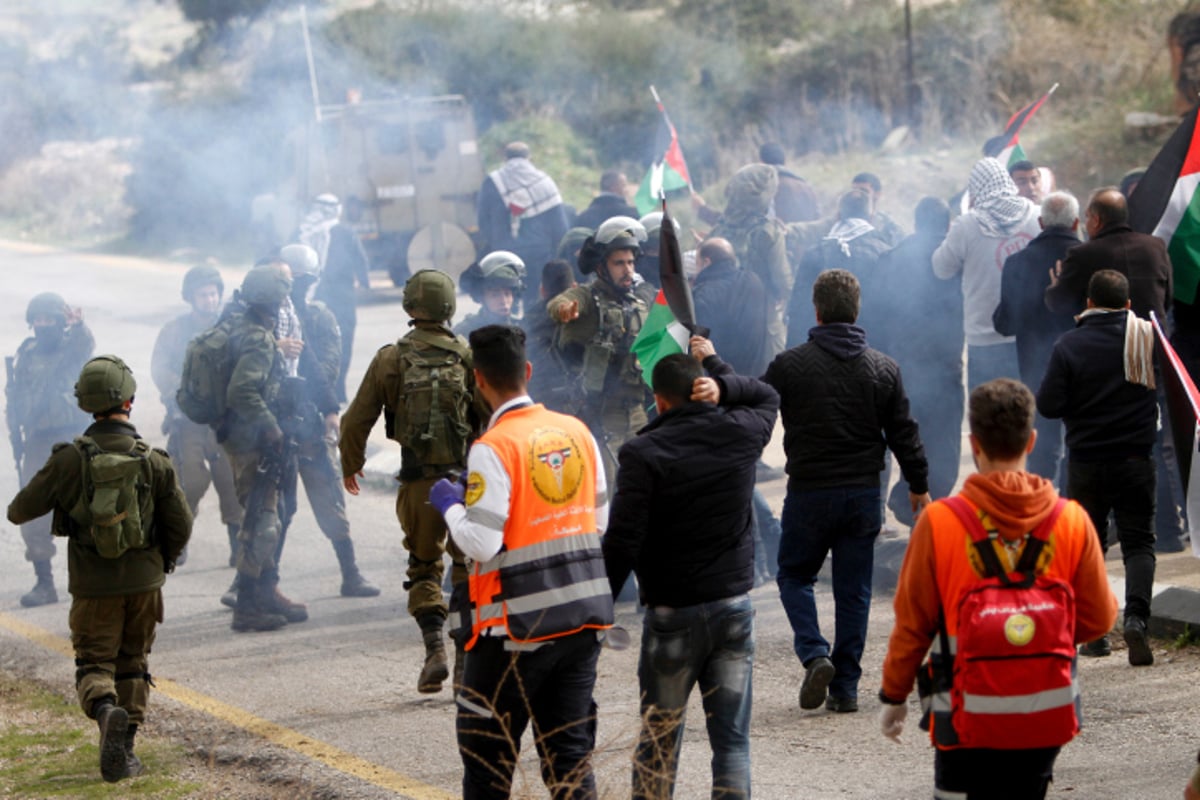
[(273, 437), (891, 721), (444, 494)]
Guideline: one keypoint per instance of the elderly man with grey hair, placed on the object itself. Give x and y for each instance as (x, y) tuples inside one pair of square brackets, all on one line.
[(1022, 313)]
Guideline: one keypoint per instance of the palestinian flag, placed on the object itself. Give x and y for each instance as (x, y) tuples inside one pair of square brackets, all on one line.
[(1167, 205), (668, 172), (660, 336), (1006, 148), (1183, 409)]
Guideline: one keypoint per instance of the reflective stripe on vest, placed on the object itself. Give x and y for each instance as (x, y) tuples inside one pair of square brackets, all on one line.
[(1021, 704)]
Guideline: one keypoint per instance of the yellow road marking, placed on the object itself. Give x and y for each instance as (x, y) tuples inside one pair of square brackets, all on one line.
[(327, 754)]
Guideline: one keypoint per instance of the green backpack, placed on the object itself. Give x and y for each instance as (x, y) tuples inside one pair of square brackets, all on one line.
[(435, 397), (116, 505), (207, 368)]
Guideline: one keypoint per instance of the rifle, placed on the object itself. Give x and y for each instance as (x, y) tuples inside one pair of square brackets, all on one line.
[(296, 416), (14, 436)]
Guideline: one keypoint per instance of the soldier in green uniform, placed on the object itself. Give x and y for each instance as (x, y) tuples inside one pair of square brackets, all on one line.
[(319, 367), (193, 447), (424, 387), (604, 317), (40, 412), (497, 283), (123, 536), (252, 436)]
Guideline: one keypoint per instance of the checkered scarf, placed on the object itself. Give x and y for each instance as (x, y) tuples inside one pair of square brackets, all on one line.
[(994, 199)]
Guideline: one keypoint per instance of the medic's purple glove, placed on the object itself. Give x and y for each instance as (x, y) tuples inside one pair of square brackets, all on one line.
[(444, 494)]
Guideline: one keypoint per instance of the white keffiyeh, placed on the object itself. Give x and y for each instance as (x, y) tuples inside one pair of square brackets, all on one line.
[(994, 199), (845, 231), (525, 190)]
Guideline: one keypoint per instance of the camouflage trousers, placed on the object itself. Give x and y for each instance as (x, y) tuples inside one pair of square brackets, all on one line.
[(258, 538), (112, 638), (200, 463), (39, 541), (425, 539)]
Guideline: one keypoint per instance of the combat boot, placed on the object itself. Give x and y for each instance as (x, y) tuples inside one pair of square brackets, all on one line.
[(353, 583), (113, 722), (229, 599), (275, 602), (43, 592), (133, 764), (435, 671), (248, 612), (232, 529)]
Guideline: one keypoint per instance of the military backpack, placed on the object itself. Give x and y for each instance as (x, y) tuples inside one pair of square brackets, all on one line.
[(116, 505), (435, 398), (204, 380)]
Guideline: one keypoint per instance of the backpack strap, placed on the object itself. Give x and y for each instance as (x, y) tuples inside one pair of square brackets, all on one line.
[(454, 344), (1038, 538), (1026, 567)]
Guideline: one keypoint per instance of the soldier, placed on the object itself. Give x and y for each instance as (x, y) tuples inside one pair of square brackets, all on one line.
[(424, 387), (254, 442), (604, 317), (497, 283), (126, 519), (317, 418), (40, 412), (193, 447)]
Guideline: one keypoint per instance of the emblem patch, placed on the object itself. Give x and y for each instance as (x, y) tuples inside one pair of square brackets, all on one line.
[(555, 465)]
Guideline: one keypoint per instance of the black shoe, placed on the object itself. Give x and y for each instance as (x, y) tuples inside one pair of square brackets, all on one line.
[(841, 705), (1140, 654), (1169, 544), (817, 676), (764, 472), (229, 599), (114, 724), (1097, 649)]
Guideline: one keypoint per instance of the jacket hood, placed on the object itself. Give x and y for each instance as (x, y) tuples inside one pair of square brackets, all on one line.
[(751, 190), (840, 339), (1017, 502)]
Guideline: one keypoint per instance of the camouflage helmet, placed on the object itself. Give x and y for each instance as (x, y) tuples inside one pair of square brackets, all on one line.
[(46, 304), (105, 383), (199, 276), (265, 286), (302, 259), (429, 294)]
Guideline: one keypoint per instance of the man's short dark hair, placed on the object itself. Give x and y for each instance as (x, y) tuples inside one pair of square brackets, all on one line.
[(771, 153), (869, 178), (836, 296), (1021, 166), (499, 354), (1108, 288), (557, 277), (932, 216), (1000, 414), (1108, 206), (611, 181), (854, 204), (673, 377)]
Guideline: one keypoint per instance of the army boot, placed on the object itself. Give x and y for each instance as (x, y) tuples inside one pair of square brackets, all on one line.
[(248, 612), (435, 671), (229, 599), (43, 592), (232, 530), (276, 602), (133, 764), (113, 722), (353, 583)]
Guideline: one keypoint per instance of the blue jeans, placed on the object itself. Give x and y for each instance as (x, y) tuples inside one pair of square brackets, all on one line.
[(844, 521), (711, 644)]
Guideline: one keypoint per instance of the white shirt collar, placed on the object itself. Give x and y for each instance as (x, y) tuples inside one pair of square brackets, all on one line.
[(523, 400)]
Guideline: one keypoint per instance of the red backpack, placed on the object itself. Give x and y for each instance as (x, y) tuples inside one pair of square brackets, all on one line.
[(1012, 679)]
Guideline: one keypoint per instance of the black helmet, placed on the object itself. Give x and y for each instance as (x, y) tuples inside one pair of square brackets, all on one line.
[(201, 275), (46, 304), (429, 295), (499, 269), (265, 286), (105, 383)]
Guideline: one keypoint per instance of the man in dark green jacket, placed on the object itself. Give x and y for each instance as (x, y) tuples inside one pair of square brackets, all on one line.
[(116, 599)]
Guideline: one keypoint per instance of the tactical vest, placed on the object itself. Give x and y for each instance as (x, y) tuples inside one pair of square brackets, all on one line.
[(548, 581), (608, 364), (42, 390), (1001, 672)]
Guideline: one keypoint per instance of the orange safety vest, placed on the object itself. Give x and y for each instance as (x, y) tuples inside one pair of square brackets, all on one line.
[(1012, 685), (548, 580)]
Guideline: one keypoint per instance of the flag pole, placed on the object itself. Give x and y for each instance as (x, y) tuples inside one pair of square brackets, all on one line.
[(658, 102)]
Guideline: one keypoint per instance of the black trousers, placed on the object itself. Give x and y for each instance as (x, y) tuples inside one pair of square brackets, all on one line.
[(979, 774), (503, 691)]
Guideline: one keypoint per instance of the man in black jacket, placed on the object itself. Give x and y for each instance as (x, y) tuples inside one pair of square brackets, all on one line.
[(1100, 381), (842, 404), (681, 520), (609, 203), (1022, 313)]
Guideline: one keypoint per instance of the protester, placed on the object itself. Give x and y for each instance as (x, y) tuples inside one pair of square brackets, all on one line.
[(1028, 179), (1100, 382), (890, 230), (609, 203), (795, 200), (1010, 753)]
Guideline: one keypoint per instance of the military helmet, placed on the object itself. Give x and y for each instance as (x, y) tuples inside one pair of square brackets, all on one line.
[(429, 294), (105, 383), (572, 243), (620, 233), (652, 222), (201, 275), (46, 304), (265, 286), (502, 269), (302, 259)]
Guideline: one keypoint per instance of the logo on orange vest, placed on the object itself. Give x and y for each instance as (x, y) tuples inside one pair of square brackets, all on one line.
[(555, 465), (1019, 630), (475, 488)]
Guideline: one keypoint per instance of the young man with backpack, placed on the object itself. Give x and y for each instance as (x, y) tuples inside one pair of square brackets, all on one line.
[(424, 387), (1002, 580), (119, 504)]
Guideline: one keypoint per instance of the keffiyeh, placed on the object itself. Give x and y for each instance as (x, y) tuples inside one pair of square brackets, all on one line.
[(994, 199)]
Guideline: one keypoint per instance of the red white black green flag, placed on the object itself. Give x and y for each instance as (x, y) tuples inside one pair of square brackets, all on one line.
[(668, 171)]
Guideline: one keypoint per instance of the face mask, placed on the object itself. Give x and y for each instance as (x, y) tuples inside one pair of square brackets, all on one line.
[(48, 335)]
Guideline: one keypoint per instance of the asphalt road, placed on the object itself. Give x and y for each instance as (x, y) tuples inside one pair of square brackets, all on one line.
[(341, 688)]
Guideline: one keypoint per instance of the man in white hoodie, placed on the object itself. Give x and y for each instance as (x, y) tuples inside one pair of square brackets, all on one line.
[(1000, 222)]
